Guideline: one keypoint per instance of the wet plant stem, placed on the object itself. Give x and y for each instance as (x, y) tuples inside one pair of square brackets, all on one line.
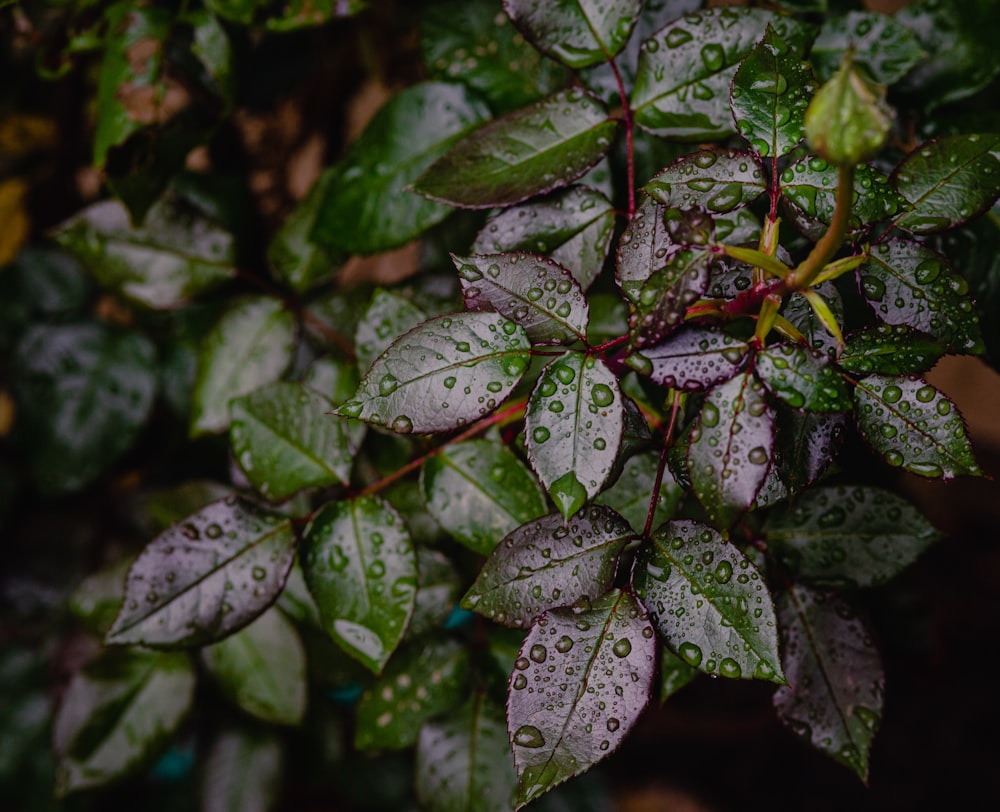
[(668, 433), (629, 145)]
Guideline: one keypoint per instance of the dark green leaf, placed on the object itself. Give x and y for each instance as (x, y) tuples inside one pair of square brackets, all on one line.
[(948, 181), (117, 714), (528, 152), (479, 491), (206, 577), (800, 313), (548, 563), (43, 282), (387, 317), (667, 294), (590, 675), (675, 673), (709, 602), (210, 44), (155, 510), (438, 590), (242, 772), (694, 359), (608, 317), (443, 374), (802, 378), (833, 699), (98, 598), (532, 290), (262, 668), (850, 538), (573, 428), (742, 226), (807, 443), (718, 180), (336, 379), (643, 248), (890, 349), (882, 45), (366, 209), (306, 13), (631, 494), (912, 425)]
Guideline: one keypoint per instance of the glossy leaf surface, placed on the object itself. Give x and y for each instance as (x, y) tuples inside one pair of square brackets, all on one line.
[(717, 180), (802, 378), (388, 316), (632, 493), (667, 294), (242, 771), (802, 316), (643, 248), (890, 349), (882, 45), (438, 590), (694, 359), (807, 444)]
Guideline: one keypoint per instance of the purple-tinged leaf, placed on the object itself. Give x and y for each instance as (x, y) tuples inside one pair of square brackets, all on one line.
[(667, 294), (714, 179), (807, 444), (880, 44), (737, 227), (802, 378), (801, 315), (644, 248), (242, 769), (890, 349), (388, 316), (693, 359), (549, 563), (631, 494), (578, 686)]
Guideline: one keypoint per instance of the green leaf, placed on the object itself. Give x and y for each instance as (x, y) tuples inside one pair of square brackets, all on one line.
[(532, 290), (98, 598), (643, 248), (242, 771), (438, 589), (365, 209), (248, 347), (912, 425), (667, 294), (443, 374), (731, 448), (284, 439), (387, 317), (262, 669), (573, 428), (890, 349), (807, 444), (479, 491), (528, 152), (802, 378), (848, 538), (718, 180), (153, 511), (464, 760), (741, 226), (117, 714), (769, 96), (204, 578), (906, 283), (578, 33), (573, 226), (886, 48), (361, 569), (948, 181), (693, 359), (84, 393), (802, 316), (632, 493), (548, 563), (210, 44), (591, 675), (687, 67), (833, 699), (424, 680)]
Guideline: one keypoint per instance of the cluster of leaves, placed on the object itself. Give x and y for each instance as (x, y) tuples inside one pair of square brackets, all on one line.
[(638, 401)]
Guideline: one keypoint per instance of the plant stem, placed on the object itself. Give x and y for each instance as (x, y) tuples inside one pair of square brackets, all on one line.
[(667, 435), (831, 241), (629, 146)]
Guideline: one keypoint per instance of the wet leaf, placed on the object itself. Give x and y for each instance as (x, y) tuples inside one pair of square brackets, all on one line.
[(479, 491), (528, 152), (801, 315), (731, 448), (675, 673), (686, 69), (833, 699), (769, 96), (948, 181), (848, 538), (741, 226), (548, 563), (98, 599), (644, 248), (531, 290), (387, 317), (117, 714), (464, 760), (890, 349), (243, 771), (886, 48), (802, 378), (361, 569), (248, 347), (439, 587), (714, 179), (912, 425), (573, 428), (693, 359), (631, 494), (667, 294), (366, 209), (447, 372), (206, 577), (262, 669), (807, 444), (906, 283), (709, 602), (423, 680), (563, 721), (578, 33), (573, 226)]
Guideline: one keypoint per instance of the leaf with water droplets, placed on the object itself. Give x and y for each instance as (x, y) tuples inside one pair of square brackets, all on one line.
[(262, 669), (531, 290), (687, 67), (644, 248), (882, 45), (579, 684), (769, 96), (361, 569), (464, 760), (548, 563), (709, 602), (833, 699), (479, 491), (890, 349), (802, 378), (425, 679), (693, 359), (573, 226), (912, 425), (675, 673), (948, 181), (387, 317), (447, 372), (438, 588), (801, 315), (631, 494), (578, 33), (574, 426), (807, 443), (907, 283), (528, 152), (731, 448), (848, 538), (714, 179), (206, 577)]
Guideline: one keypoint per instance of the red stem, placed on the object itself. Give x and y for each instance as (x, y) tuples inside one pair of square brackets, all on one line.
[(667, 434), (629, 146)]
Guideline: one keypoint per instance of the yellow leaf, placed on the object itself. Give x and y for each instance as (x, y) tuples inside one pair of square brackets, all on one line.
[(13, 218), (22, 134)]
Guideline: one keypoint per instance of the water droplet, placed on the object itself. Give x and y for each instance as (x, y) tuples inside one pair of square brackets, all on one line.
[(730, 668), (529, 736), (520, 681), (677, 37), (613, 725), (564, 644), (540, 434), (388, 384), (258, 573), (602, 395), (622, 647), (690, 653), (723, 572), (402, 425), (538, 653)]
